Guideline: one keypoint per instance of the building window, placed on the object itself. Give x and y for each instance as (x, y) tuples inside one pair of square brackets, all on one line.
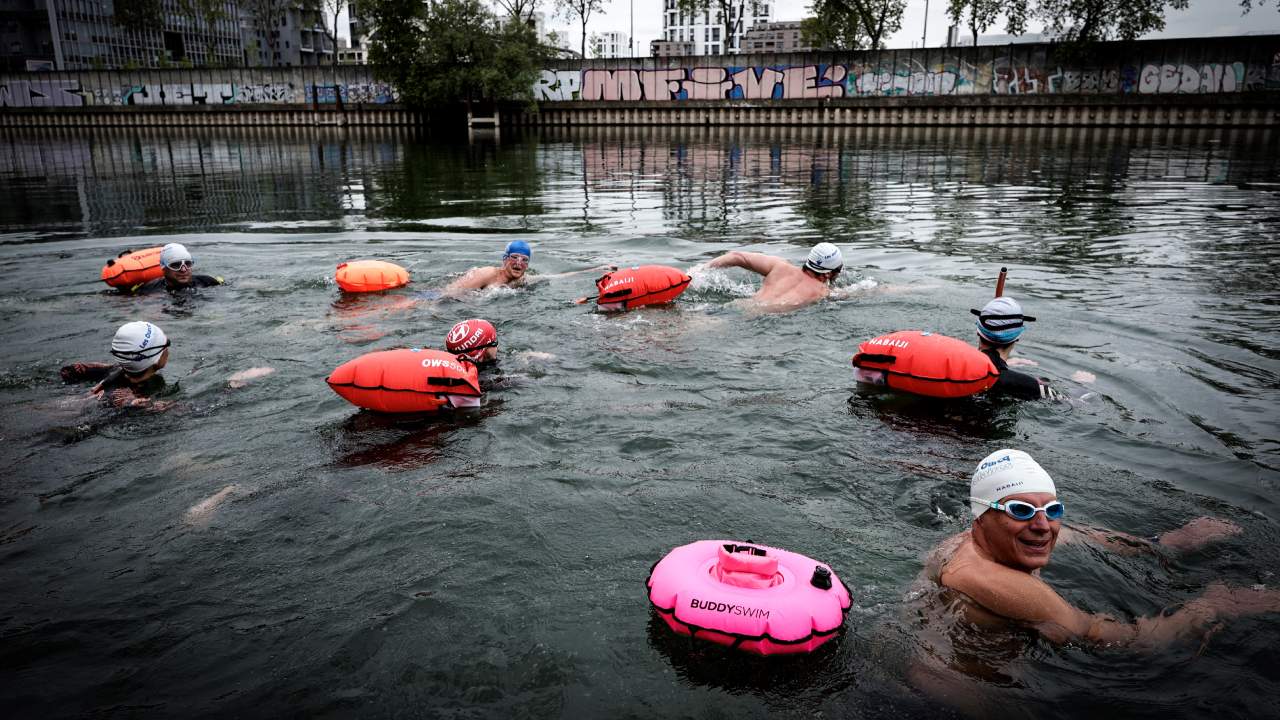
[(715, 33)]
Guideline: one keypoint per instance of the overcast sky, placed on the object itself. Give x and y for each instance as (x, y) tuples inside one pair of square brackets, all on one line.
[(1204, 18)]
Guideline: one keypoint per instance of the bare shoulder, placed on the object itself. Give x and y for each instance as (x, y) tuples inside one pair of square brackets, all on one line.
[(1007, 592), (475, 279)]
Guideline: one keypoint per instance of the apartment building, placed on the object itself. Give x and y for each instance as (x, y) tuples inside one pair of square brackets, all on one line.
[(775, 37), (705, 29)]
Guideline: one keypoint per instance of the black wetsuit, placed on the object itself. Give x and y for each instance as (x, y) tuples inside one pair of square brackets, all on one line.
[(197, 281), (1014, 383)]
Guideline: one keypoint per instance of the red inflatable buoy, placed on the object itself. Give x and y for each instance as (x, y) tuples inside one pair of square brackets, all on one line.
[(927, 364), (407, 381), (131, 268), (370, 276), (643, 285)]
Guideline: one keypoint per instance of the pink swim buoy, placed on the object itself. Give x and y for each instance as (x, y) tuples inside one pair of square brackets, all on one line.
[(753, 598)]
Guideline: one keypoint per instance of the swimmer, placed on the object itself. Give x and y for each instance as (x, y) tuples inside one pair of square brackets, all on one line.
[(475, 340), (785, 284), (512, 272), (1000, 323), (143, 351), (996, 564), (177, 264)]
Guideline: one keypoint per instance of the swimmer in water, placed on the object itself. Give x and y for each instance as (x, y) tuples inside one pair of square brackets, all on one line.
[(143, 351), (996, 564), (177, 265), (476, 340), (512, 272), (785, 284), (1000, 324)]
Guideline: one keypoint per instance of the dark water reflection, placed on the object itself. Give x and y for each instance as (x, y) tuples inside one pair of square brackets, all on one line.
[(493, 564)]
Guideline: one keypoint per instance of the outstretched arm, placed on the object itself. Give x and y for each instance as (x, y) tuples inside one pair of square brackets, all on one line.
[(571, 273), (1197, 533), (473, 279), (1026, 598), (758, 263)]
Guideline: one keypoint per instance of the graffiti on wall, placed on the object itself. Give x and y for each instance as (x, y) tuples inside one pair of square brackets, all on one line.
[(905, 76), (40, 93), (375, 93)]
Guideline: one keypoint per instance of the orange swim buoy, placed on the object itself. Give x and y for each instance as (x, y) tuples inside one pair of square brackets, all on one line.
[(370, 276), (407, 381), (643, 285), (131, 268), (927, 364)]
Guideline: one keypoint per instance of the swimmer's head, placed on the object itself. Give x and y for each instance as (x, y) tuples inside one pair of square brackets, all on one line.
[(515, 259), (1001, 321), (176, 263), (475, 340), (1004, 473), (518, 247), (825, 261), (140, 346)]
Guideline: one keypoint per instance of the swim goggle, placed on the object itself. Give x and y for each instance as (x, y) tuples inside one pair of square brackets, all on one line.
[(517, 258), (135, 355), (180, 264), (1019, 510)]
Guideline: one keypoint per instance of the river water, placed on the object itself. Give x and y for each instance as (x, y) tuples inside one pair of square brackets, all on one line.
[(493, 564)]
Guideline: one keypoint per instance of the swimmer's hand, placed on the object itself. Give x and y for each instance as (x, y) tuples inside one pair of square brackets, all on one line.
[(1083, 376), (1238, 601), (582, 300), (1022, 362), (243, 377), (1199, 532)]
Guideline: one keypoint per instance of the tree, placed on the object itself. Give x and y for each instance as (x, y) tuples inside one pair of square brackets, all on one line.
[(596, 42), (521, 10), (266, 16), (332, 9), (583, 10), (451, 51), (978, 15), (1086, 21), (206, 13), (138, 15), (836, 32), (877, 18)]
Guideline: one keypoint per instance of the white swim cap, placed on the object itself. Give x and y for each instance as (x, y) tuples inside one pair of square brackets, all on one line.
[(174, 252), (1004, 473), (824, 258), (139, 345)]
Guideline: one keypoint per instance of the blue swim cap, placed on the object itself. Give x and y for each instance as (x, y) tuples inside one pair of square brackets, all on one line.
[(517, 247), (1001, 321)]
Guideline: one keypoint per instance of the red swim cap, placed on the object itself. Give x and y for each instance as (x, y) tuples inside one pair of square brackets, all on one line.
[(469, 338)]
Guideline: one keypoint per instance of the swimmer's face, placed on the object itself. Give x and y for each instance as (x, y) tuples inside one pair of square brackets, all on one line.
[(490, 354), (178, 273), (514, 266), (1020, 544), (164, 358)]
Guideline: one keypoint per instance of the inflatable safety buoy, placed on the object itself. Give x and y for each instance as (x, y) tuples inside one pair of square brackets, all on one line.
[(407, 381), (927, 364), (642, 285), (370, 276), (131, 268), (751, 597)]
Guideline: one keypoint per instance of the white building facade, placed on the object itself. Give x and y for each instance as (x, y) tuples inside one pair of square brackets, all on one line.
[(612, 44), (706, 30)]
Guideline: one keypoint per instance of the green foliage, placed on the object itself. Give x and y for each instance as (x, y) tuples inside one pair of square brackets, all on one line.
[(1081, 22), (582, 10), (138, 14), (451, 51), (977, 15), (835, 32), (858, 23)]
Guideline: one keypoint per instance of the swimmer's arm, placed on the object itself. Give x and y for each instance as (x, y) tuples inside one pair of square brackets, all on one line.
[(84, 371), (1195, 534), (758, 263), (473, 279), (571, 273)]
